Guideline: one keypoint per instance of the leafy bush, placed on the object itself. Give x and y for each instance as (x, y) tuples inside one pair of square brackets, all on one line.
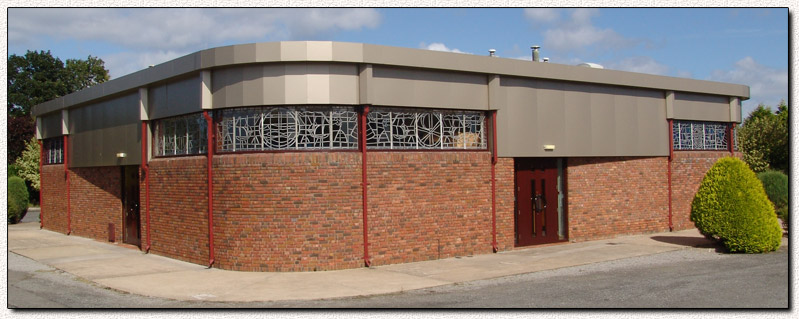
[(763, 138), (731, 206), (776, 185), (783, 213), (17, 199), (28, 164), (13, 170)]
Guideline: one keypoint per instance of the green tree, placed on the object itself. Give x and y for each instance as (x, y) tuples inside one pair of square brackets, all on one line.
[(20, 130), (28, 164), (37, 77), (763, 138), (33, 78), (81, 74), (762, 111)]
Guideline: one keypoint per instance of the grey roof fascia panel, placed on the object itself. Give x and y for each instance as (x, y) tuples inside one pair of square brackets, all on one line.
[(308, 51)]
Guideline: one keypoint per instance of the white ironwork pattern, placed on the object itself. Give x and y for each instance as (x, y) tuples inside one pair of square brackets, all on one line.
[(287, 128), (53, 150), (183, 135), (390, 128), (690, 135)]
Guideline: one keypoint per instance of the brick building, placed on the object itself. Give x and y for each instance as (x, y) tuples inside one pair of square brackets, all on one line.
[(302, 156)]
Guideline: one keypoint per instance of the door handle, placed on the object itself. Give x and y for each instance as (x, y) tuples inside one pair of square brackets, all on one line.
[(539, 202)]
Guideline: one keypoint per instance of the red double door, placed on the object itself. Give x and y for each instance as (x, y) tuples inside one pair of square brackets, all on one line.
[(537, 201)]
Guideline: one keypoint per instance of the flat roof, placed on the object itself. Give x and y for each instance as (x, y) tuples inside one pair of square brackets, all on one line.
[(358, 53)]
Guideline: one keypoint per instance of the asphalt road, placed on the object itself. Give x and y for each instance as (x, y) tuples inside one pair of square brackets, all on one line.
[(691, 278)]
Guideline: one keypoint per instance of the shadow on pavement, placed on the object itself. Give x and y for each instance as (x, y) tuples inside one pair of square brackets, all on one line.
[(698, 242)]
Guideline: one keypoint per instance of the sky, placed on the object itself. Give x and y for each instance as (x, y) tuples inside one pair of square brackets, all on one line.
[(737, 45)]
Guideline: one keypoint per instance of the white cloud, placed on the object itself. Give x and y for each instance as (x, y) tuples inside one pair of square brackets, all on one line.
[(766, 85), (577, 31), (436, 46), (119, 64), (146, 35), (640, 64), (542, 15), (179, 28)]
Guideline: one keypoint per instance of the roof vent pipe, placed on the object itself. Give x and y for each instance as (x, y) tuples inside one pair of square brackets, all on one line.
[(536, 55), (491, 52)]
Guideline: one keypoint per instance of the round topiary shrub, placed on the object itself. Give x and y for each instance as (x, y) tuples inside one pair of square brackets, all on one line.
[(17, 199), (732, 207)]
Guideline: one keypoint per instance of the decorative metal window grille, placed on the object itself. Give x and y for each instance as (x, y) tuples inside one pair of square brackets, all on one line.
[(735, 138), (183, 135), (424, 129), (53, 150), (287, 128), (700, 135)]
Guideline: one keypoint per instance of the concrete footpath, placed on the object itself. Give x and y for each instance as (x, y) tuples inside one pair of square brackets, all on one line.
[(130, 270)]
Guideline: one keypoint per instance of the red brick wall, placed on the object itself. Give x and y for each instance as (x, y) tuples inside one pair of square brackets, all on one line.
[(688, 170), (612, 196), (178, 204), (428, 205), (288, 211), (96, 201), (54, 196), (506, 204)]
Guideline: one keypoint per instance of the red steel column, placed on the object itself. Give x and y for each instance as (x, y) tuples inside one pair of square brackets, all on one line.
[(41, 185), (66, 176), (145, 165), (494, 181), (364, 183), (671, 157), (210, 155), (731, 139)]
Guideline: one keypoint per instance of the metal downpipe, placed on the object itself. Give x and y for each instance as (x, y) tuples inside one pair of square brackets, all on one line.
[(41, 185), (210, 155), (364, 185), (494, 181), (671, 157), (146, 170), (66, 176)]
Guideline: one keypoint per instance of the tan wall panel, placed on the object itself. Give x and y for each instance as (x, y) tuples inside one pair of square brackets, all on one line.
[(625, 118), (425, 88), (51, 125), (602, 133), (252, 81), (580, 120), (550, 117), (293, 83), (175, 98), (735, 110), (700, 107), (100, 131)]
